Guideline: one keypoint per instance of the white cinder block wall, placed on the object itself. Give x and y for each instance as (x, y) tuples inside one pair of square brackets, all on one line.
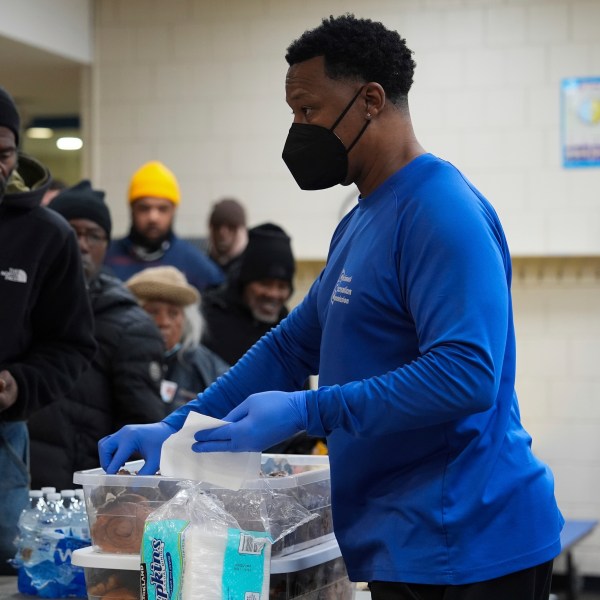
[(557, 322), (200, 86)]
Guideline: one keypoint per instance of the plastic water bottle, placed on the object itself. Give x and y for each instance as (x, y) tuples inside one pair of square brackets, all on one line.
[(28, 540), (80, 498), (80, 527), (67, 498), (48, 490), (79, 538), (56, 520), (28, 521)]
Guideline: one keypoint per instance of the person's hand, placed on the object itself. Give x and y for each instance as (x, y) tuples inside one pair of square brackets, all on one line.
[(115, 449), (9, 390), (259, 422)]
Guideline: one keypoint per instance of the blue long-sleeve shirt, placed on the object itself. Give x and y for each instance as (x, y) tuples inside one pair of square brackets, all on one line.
[(410, 328)]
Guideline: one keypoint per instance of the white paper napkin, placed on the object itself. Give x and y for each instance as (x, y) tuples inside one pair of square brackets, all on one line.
[(222, 469)]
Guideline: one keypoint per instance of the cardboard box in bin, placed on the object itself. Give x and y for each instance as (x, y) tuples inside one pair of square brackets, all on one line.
[(117, 505), (316, 573)]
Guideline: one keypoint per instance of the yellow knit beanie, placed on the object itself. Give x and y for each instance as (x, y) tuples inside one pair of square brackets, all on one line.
[(154, 180)]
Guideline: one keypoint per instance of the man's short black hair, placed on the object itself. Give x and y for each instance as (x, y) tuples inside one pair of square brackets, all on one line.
[(359, 49)]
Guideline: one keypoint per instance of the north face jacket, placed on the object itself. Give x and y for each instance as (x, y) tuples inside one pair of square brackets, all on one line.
[(46, 339)]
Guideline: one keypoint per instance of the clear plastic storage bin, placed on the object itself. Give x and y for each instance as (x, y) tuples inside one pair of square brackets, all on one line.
[(117, 505), (317, 573)]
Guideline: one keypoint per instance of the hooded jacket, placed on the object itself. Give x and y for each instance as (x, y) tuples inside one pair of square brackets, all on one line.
[(122, 386), (45, 317)]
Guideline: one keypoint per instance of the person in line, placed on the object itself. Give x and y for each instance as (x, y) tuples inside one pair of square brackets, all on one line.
[(123, 383), (436, 492), (46, 335), (154, 197), (190, 367), (56, 186), (253, 301), (172, 302), (227, 234)]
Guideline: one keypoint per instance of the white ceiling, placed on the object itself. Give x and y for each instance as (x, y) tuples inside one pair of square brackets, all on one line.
[(43, 84)]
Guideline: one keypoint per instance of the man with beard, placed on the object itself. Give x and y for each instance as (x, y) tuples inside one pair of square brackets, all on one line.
[(227, 235), (252, 302), (154, 197), (46, 339), (123, 382)]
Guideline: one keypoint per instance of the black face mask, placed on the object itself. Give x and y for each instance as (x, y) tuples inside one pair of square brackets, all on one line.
[(315, 156)]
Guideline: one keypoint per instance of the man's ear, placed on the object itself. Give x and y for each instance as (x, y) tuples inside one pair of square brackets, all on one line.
[(374, 98)]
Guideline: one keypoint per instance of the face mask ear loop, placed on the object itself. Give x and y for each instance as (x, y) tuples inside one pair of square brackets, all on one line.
[(337, 121), (358, 136)]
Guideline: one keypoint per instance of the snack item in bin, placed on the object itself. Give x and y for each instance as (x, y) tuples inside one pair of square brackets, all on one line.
[(119, 524), (120, 594), (118, 585)]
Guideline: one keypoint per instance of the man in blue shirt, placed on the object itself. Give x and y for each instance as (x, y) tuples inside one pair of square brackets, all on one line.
[(436, 493), (153, 197)]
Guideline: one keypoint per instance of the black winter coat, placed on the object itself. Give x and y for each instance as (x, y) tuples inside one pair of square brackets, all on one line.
[(230, 329), (193, 370), (46, 337), (122, 386)]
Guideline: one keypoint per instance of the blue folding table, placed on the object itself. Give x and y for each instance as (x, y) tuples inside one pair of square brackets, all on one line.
[(573, 532)]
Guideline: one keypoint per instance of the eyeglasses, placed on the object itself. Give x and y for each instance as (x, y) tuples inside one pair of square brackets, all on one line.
[(91, 237)]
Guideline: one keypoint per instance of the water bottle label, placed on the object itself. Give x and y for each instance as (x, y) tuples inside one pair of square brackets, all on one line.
[(64, 549)]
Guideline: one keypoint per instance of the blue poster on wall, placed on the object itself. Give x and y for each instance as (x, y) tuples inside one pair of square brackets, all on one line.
[(580, 108)]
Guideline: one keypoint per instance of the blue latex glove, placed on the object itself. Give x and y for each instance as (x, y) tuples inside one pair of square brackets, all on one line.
[(259, 422), (115, 449)]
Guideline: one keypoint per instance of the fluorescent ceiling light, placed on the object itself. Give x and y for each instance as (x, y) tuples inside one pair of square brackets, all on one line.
[(69, 143), (40, 133)]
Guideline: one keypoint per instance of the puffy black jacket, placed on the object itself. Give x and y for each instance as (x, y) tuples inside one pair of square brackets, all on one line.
[(122, 386)]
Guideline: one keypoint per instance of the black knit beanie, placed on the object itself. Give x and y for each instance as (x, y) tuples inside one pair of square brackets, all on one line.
[(82, 202), (268, 255), (9, 116)]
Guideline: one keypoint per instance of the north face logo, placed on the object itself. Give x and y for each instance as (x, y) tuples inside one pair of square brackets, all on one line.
[(16, 275)]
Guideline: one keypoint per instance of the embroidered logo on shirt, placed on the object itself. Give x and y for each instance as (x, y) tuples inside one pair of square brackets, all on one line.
[(341, 291), (16, 275)]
